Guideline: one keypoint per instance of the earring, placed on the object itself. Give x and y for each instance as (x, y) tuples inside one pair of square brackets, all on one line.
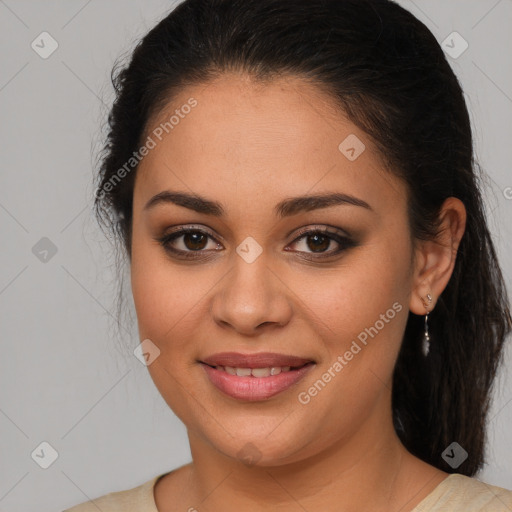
[(425, 345)]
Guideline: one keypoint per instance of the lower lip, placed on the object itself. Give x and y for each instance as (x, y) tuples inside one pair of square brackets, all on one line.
[(254, 388)]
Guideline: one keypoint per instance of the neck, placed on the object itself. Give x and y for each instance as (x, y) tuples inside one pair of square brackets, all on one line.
[(368, 470)]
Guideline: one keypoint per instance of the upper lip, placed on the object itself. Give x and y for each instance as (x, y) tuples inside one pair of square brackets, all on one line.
[(258, 360)]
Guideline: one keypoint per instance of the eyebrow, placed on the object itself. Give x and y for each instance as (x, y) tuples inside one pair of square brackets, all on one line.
[(286, 208)]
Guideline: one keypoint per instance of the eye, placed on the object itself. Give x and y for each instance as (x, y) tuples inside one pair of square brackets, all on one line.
[(193, 242), (190, 242), (319, 240)]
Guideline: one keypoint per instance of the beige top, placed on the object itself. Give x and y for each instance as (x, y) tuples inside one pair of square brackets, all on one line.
[(456, 493)]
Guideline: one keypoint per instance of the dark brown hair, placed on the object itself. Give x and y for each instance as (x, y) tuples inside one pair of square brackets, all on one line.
[(387, 72)]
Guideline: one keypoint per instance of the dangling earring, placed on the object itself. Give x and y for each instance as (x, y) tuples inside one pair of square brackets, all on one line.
[(425, 345)]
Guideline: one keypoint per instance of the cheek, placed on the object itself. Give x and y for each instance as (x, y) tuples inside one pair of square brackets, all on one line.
[(361, 308), (163, 295), (166, 301), (359, 291), (360, 313)]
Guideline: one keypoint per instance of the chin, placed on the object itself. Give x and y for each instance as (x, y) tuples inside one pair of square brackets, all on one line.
[(261, 449)]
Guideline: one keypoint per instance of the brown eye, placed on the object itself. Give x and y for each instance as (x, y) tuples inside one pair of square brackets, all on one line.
[(195, 241), (318, 242), (188, 243), (192, 243)]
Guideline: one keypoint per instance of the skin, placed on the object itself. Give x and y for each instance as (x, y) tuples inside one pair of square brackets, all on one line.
[(250, 145)]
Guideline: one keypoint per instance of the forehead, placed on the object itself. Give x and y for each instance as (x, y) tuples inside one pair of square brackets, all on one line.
[(260, 140)]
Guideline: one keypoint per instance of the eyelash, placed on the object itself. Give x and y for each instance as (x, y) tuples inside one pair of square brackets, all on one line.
[(343, 241)]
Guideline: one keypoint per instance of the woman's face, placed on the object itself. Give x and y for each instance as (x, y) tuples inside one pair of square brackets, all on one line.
[(249, 281)]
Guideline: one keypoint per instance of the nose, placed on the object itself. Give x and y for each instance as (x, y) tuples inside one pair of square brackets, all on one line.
[(251, 298)]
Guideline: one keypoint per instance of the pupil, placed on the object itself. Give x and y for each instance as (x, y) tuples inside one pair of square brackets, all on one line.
[(317, 245), (196, 239)]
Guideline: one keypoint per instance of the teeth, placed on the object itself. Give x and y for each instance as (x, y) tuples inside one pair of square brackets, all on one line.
[(255, 372), (260, 372)]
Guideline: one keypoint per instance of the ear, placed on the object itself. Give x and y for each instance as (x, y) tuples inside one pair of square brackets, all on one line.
[(435, 259)]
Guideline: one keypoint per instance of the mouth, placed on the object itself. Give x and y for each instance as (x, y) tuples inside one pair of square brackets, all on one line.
[(258, 373), (253, 377), (257, 360)]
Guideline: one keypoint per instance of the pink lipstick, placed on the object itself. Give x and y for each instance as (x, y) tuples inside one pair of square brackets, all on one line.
[(253, 377)]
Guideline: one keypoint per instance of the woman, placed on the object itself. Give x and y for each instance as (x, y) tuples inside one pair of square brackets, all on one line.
[(316, 288)]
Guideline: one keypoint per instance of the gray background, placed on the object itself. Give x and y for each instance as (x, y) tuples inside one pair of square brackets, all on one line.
[(66, 377)]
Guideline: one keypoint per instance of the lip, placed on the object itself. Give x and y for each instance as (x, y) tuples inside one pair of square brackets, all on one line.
[(258, 360), (253, 388)]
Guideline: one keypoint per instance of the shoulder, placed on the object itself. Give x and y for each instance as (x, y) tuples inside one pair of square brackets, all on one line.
[(459, 493), (140, 498)]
